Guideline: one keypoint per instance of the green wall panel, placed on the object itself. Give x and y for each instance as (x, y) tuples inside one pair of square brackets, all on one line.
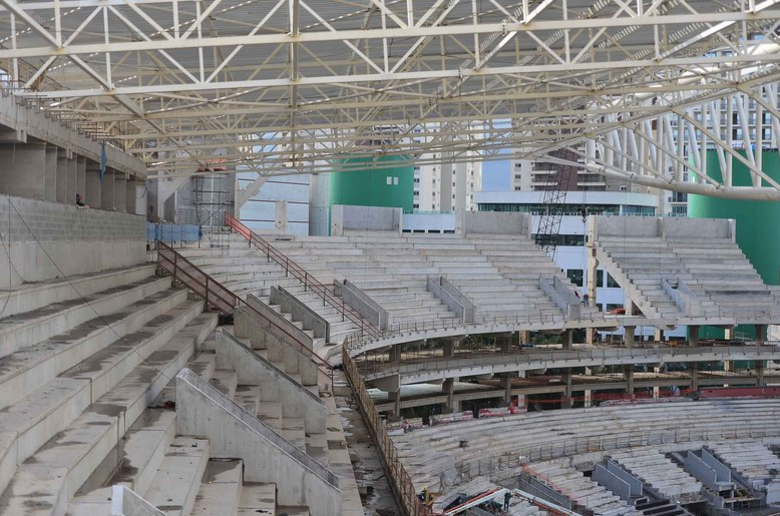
[(388, 187)]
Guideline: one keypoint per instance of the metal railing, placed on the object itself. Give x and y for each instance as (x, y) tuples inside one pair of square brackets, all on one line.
[(309, 282), (220, 297), (397, 477)]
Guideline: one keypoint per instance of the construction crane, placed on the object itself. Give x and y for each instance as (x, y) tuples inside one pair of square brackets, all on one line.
[(555, 189)]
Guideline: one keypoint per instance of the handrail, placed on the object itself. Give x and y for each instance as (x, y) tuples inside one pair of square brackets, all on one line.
[(220, 297), (397, 477), (309, 282)]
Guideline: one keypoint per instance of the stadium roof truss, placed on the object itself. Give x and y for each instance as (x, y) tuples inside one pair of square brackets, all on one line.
[(638, 87)]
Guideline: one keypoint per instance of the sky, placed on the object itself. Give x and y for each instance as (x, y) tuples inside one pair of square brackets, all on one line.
[(495, 176)]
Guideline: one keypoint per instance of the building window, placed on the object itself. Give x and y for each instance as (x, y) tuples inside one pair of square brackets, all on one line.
[(416, 206), (611, 283), (599, 278), (575, 275)]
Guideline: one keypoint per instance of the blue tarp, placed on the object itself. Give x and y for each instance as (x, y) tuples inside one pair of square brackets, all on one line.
[(173, 232)]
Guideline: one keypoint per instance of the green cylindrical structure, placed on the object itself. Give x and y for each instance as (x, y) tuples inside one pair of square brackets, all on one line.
[(390, 185), (756, 220)]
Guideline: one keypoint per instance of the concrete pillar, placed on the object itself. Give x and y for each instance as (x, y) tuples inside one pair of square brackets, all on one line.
[(449, 347), (658, 335), (728, 333), (448, 387), (521, 397), (70, 180), (81, 177), (693, 369), (131, 195), (24, 167), (566, 380), (567, 338), (592, 273), (395, 397), (506, 384), (107, 191), (92, 186), (62, 177), (628, 337), (760, 373), (525, 337), (504, 342), (588, 394), (120, 191), (50, 174), (395, 354), (760, 334), (656, 389), (693, 339), (629, 306), (280, 216), (628, 371)]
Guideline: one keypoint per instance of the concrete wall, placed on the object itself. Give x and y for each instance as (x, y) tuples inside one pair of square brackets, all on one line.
[(126, 502), (373, 218), (681, 227), (202, 410), (297, 401), (627, 226), (490, 222), (78, 241)]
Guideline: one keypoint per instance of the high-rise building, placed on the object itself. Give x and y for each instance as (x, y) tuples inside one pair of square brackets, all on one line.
[(447, 186)]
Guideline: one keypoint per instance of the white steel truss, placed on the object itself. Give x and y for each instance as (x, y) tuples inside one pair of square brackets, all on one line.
[(645, 90)]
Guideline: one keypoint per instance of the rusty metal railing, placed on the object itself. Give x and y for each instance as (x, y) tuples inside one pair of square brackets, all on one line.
[(397, 477), (309, 281), (222, 298)]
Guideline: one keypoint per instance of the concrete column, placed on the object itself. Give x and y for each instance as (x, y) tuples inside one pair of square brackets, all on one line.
[(62, 177), (70, 180), (567, 337), (525, 337), (760, 373), (693, 369), (24, 167), (629, 306), (395, 397), (760, 334), (448, 387), (693, 339), (395, 354), (656, 389), (131, 194), (449, 347), (81, 176), (280, 216), (521, 397), (628, 337), (107, 191), (628, 371), (120, 191), (588, 393), (506, 384), (92, 186), (592, 273), (658, 335), (728, 333), (50, 174), (566, 379), (504, 342)]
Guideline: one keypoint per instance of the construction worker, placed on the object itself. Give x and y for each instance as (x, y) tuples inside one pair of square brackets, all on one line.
[(507, 497)]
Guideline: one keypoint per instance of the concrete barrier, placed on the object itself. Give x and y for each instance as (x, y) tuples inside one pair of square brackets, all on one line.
[(202, 410), (372, 218), (300, 312), (297, 401), (126, 502), (492, 223)]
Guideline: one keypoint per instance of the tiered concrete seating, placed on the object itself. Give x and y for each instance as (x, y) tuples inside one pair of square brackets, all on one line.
[(89, 400), (581, 489), (659, 472), (723, 275), (750, 459), (429, 452), (639, 264)]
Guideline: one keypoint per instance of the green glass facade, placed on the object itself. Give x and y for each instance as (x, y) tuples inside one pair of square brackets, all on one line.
[(756, 220), (371, 186)]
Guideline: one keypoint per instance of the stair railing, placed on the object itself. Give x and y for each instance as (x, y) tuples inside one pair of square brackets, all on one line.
[(309, 282), (221, 298)]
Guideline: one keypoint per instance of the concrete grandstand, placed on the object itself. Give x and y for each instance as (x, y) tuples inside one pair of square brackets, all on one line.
[(236, 367)]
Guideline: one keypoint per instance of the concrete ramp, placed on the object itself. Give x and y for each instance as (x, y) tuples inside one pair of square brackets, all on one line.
[(201, 409)]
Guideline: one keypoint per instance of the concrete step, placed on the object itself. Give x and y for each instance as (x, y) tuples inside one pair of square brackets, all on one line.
[(175, 486), (293, 431), (257, 499), (25, 329), (225, 381), (220, 488), (247, 397)]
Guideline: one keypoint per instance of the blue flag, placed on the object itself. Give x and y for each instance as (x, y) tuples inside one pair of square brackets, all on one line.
[(103, 160)]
